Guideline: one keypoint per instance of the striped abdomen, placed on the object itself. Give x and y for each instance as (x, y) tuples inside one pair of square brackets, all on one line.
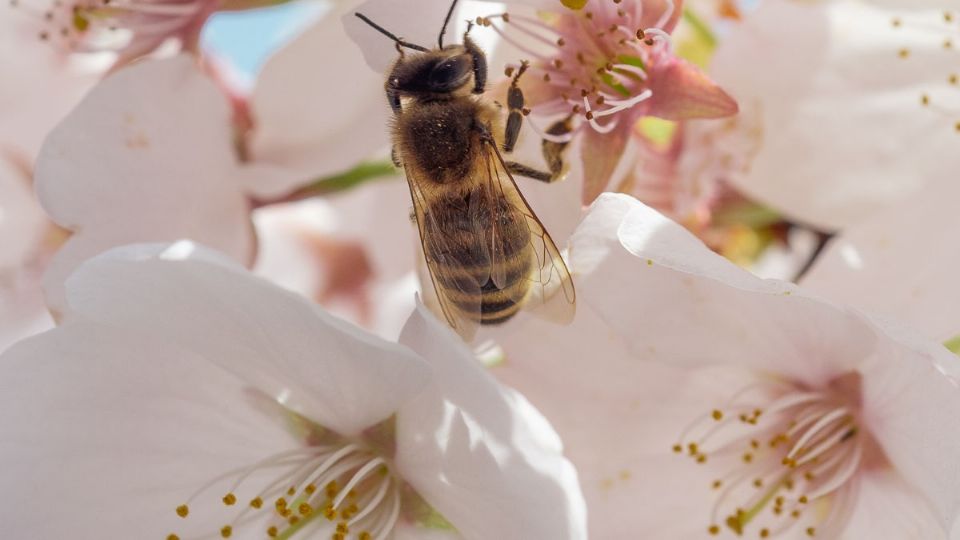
[(493, 238)]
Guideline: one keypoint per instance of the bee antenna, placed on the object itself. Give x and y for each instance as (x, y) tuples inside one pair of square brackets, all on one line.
[(384, 31), (446, 22)]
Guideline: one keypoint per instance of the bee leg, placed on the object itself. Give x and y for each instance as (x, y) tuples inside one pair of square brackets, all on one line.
[(515, 104), (553, 150), (552, 154), (479, 62), (395, 158), (393, 94)]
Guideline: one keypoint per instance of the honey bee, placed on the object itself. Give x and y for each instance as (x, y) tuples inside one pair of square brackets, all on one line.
[(487, 253)]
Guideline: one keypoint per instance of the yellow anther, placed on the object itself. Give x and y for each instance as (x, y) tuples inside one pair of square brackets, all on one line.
[(364, 535), (310, 489), (748, 457), (226, 531), (677, 448), (229, 499), (795, 514), (183, 510), (764, 533), (293, 520), (172, 537), (332, 489), (924, 100), (342, 527), (693, 449), (896, 22), (713, 529), (717, 484), (904, 53), (339, 536), (272, 532), (803, 499), (811, 531), (758, 483), (305, 509), (256, 503), (717, 414), (330, 512), (291, 491)]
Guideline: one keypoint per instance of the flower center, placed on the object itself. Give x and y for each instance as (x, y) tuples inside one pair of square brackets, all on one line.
[(590, 64), (131, 27), (788, 456), (335, 491)]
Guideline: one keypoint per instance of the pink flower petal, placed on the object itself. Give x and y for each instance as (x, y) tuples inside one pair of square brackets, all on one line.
[(601, 154), (682, 92), (147, 156)]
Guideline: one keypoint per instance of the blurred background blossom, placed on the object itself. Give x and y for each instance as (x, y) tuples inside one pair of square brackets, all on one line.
[(805, 140)]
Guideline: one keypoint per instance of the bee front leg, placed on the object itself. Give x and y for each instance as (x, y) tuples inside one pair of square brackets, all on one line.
[(395, 158), (479, 62), (515, 104)]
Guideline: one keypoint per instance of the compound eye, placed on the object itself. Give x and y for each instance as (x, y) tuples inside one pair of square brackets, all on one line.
[(450, 73)]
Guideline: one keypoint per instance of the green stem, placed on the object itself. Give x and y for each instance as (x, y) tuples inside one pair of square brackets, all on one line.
[(362, 173), (953, 344), (701, 28)]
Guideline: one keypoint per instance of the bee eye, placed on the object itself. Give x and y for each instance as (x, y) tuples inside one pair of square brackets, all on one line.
[(450, 73)]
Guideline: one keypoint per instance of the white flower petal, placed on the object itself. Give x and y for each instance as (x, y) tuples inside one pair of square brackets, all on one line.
[(887, 507), (843, 131), (147, 156), (903, 262), (22, 221), (420, 26), (906, 399), (313, 363), (480, 454), (652, 281), (119, 429), (39, 85), (618, 416), (317, 109)]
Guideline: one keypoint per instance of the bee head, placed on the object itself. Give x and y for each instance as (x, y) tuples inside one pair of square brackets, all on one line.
[(437, 72)]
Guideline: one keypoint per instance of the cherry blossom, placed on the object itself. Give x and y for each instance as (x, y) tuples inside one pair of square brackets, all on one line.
[(605, 67), (266, 416), (856, 103), (735, 405)]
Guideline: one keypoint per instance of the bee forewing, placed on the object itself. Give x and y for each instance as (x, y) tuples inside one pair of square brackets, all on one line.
[(551, 294)]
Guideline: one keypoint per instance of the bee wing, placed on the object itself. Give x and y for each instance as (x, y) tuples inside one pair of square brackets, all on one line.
[(462, 316), (551, 294)]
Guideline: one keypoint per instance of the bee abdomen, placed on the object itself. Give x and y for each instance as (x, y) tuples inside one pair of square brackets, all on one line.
[(466, 278)]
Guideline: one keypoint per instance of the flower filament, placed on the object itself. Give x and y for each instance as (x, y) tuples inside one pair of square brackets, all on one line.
[(789, 460), (589, 64), (336, 491)]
